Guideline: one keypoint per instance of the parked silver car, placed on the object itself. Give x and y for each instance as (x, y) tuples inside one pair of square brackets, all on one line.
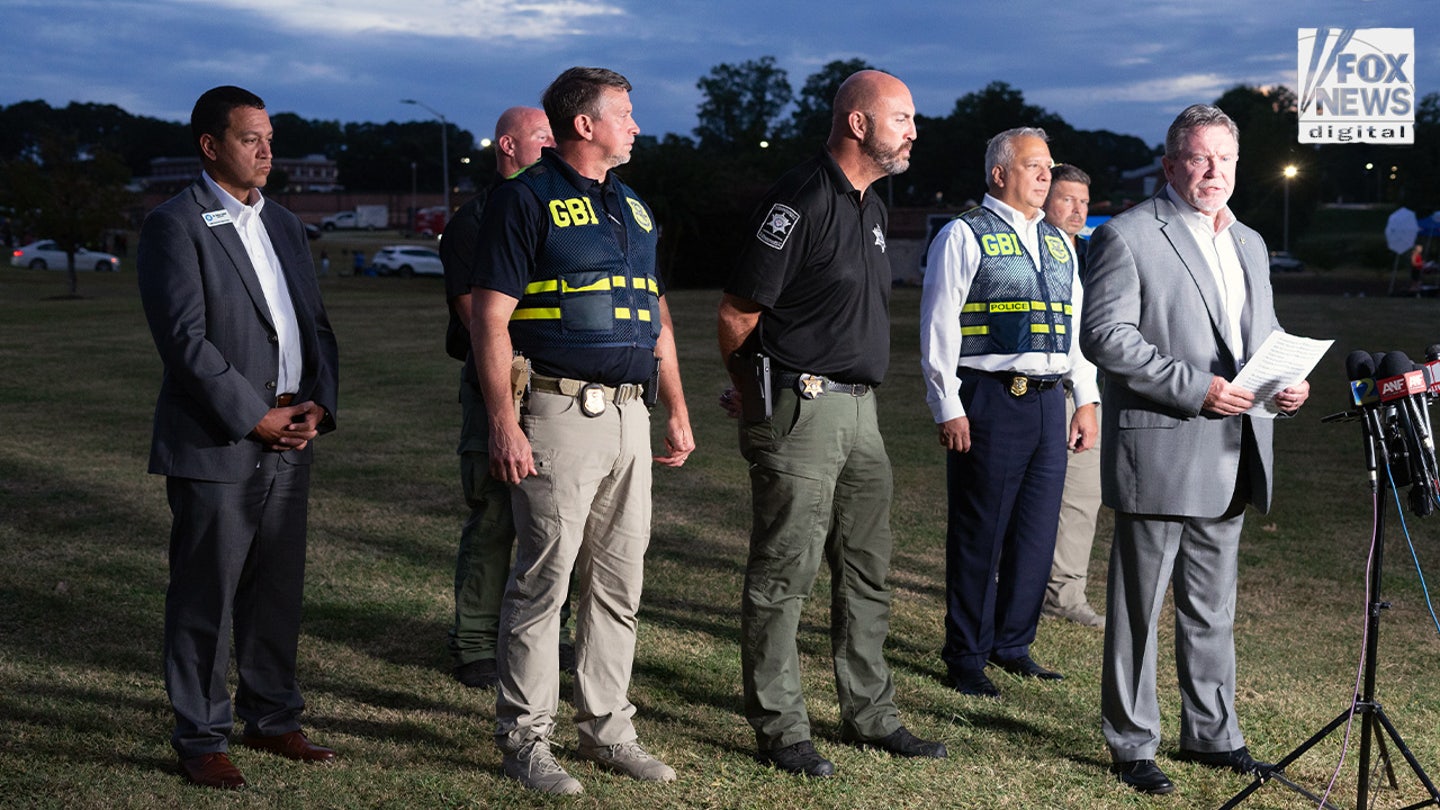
[(45, 253), (1283, 262)]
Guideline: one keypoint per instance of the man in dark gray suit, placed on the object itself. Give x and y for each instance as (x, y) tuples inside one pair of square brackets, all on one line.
[(228, 288), (1177, 299)]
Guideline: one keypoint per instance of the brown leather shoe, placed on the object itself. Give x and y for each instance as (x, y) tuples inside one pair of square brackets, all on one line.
[(291, 744), (213, 770)]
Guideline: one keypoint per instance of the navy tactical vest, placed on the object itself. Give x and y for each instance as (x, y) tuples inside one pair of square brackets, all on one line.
[(1011, 308), (586, 291)]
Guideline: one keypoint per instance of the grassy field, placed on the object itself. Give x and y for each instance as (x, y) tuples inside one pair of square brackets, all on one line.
[(84, 721)]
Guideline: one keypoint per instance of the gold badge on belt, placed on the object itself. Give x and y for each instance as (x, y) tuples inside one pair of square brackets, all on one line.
[(811, 386), (1019, 384), (592, 399)]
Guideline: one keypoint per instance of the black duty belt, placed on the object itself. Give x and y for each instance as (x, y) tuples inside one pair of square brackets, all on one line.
[(1018, 384), (809, 386)]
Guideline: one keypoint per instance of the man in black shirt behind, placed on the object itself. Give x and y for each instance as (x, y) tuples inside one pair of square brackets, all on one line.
[(812, 294), (483, 562)]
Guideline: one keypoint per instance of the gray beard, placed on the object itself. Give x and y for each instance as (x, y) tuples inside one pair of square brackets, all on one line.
[(887, 159)]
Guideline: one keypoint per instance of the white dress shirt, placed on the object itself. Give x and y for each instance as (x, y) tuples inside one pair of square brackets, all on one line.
[(258, 247), (1217, 245), (953, 262)]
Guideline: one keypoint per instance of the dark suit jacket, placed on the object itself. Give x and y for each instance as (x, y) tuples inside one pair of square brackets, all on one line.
[(215, 337), (1154, 325)]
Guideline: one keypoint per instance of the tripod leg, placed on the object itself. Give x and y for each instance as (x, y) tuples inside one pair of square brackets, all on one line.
[(1277, 773), (1385, 754), (1409, 757)]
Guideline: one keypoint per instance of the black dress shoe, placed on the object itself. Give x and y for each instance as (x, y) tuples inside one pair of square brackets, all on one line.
[(213, 771), (973, 682), (800, 759), (1238, 761), (1144, 776), (1025, 667), (478, 674), (901, 742)]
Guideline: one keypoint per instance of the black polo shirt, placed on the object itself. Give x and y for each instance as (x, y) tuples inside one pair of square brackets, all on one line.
[(458, 247), (818, 267), (513, 229)]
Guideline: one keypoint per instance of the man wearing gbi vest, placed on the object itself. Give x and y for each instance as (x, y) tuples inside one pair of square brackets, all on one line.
[(565, 276), (995, 346)]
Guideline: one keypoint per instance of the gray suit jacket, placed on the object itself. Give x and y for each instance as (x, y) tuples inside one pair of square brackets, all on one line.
[(1153, 324), (212, 327)]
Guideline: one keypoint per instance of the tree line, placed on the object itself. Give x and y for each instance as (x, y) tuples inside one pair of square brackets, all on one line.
[(64, 171)]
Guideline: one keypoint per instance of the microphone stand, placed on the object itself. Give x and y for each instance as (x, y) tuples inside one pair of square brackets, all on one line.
[(1364, 706)]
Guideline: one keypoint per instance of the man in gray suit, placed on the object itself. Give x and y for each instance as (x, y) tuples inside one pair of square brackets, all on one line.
[(228, 288), (1177, 299)]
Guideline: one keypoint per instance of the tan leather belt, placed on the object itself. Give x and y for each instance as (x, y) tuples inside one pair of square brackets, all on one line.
[(571, 388)]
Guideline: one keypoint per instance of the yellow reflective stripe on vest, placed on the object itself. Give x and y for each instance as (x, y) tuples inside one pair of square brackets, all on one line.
[(536, 314), (1042, 328), (623, 313), (974, 330), (550, 285)]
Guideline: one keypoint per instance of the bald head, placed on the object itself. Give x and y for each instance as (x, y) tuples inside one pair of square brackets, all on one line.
[(520, 134), (872, 127), (862, 92)]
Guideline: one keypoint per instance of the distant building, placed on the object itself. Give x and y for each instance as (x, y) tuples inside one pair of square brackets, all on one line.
[(310, 173), (1142, 182)]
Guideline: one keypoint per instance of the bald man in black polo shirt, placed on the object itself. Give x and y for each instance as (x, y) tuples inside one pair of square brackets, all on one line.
[(812, 293)]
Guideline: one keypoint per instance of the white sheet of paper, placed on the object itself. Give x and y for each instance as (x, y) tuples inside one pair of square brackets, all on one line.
[(1282, 361)]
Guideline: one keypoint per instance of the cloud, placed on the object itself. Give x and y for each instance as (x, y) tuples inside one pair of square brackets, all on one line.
[(1170, 88), (476, 20)]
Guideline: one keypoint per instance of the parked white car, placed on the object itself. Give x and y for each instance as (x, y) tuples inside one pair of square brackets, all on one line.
[(408, 260), (45, 253)]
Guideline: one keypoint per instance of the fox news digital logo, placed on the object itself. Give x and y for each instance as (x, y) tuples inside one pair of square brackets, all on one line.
[(1357, 85)]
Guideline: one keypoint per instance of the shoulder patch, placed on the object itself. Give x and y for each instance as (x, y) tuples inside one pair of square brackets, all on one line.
[(642, 217), (1058, 248), (776, 227)]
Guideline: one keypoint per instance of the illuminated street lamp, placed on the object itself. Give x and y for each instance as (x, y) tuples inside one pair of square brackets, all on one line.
[(1290, 172), (444, 147)]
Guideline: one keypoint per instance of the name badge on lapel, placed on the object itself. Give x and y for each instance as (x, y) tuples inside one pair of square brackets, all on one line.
[(214, 219)]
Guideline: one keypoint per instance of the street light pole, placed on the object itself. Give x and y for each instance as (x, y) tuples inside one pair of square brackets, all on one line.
[(444, 148), (1290, 172)]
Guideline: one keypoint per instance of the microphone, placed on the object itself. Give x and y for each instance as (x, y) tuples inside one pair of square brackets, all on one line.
[(1360, 369), (1432, 369), (1396, 378), (1403, 384)]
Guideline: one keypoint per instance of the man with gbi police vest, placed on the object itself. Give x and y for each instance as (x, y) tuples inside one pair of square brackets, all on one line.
[(996, 345), (566, 277)]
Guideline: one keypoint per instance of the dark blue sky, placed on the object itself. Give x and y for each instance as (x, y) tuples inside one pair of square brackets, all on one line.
[(1106, 64)]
